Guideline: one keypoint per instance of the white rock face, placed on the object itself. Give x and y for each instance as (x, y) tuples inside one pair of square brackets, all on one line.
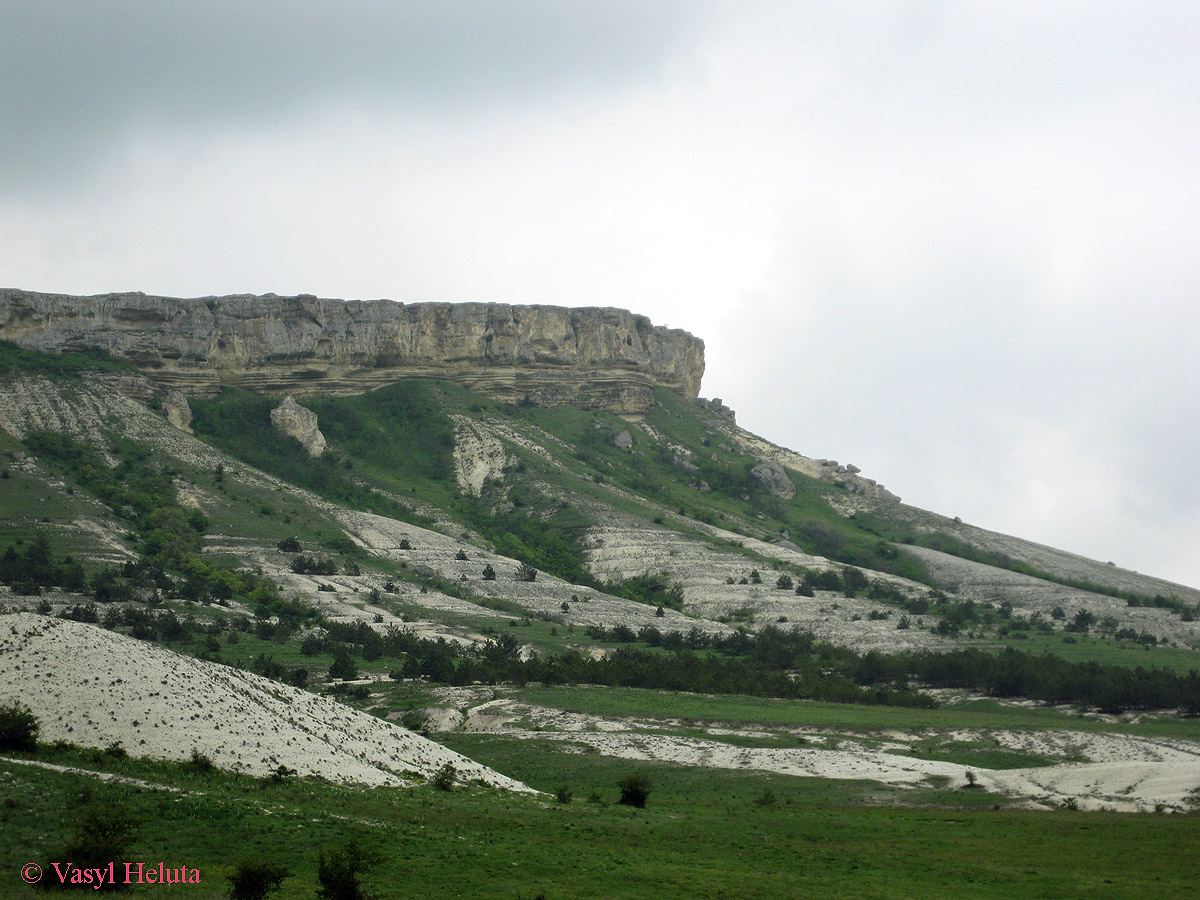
[(478, 456), (178, 412), (548, 355), (299, 422), (93, 687)]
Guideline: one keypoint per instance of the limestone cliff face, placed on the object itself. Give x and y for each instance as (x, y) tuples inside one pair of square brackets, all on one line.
[(548, 355)]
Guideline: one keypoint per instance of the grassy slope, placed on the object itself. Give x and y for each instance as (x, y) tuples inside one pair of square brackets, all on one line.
[(702, 834)]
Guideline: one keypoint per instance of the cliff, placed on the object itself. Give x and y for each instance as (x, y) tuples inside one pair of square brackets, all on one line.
[(548, 355)]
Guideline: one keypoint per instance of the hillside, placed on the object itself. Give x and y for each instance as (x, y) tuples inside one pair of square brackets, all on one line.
[(365, 584), (95, 688)]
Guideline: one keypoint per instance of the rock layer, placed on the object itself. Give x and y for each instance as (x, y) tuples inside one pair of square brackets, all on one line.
[(548, 355)]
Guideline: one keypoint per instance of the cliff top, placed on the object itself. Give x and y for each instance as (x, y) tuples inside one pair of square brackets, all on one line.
[(549, 355)]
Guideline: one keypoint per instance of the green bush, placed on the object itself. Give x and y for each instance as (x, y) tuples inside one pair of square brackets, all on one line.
[(102, 836), (338, 871), (254, 878), (201, 762), (18, 728), (635, 788), (445, 777)]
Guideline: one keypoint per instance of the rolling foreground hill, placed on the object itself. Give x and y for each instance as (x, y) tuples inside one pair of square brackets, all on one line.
[(290, 532)]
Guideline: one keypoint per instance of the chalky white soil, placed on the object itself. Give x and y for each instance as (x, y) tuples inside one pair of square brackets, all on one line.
[(1119, 772), (93, 687)]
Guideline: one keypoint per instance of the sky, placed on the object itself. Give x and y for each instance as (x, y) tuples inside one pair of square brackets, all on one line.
[(954, 243)]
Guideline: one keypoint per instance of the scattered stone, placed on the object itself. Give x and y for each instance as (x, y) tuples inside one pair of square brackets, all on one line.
[(623, 440)]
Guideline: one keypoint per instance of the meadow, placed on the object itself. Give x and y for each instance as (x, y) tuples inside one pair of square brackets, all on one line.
[(702, 833)]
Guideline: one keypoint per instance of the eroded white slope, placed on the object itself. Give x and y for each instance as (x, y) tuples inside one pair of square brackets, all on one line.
[(93, 687)]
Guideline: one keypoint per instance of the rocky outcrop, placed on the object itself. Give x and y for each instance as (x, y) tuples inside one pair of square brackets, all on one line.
[(774, 479), (547, 355), (719, 408), (300, 423), (178, 412)]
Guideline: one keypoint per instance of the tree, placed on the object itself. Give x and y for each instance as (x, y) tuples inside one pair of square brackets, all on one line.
[(18, 728), (526, 572), (343, 666), (254, 878), (635, 788), (784, 582), (337, 872), (460, 555), (489, 574)]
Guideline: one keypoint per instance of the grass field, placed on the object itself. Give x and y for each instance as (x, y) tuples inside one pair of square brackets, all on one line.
[(703, 834), (736, 709)]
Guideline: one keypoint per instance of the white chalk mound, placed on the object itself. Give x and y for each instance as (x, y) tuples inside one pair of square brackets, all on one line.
[(93, 687)]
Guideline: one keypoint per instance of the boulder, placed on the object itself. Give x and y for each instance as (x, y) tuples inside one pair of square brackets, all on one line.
[(774, 479), (178, 412), (299, 422), (623, 440)]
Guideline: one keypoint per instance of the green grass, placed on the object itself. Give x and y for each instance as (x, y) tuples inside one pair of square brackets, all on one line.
[(734, 709), (701, 835), (1090, 648), (18, 360)]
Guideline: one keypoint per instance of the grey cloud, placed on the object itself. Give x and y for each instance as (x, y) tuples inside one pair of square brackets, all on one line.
[(76, 74)]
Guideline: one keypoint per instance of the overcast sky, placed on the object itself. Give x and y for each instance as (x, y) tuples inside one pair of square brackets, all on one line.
[(956, 244)]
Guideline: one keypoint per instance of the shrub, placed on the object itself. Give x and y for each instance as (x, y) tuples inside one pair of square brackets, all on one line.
[(526, 572), (766, 798), (445, 777), (460, 555), (18, 728), (784, 582), (201, 762), (102, 836), (255, 878), (279, 775), (337, 872), (563, 794), (635, 788)]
